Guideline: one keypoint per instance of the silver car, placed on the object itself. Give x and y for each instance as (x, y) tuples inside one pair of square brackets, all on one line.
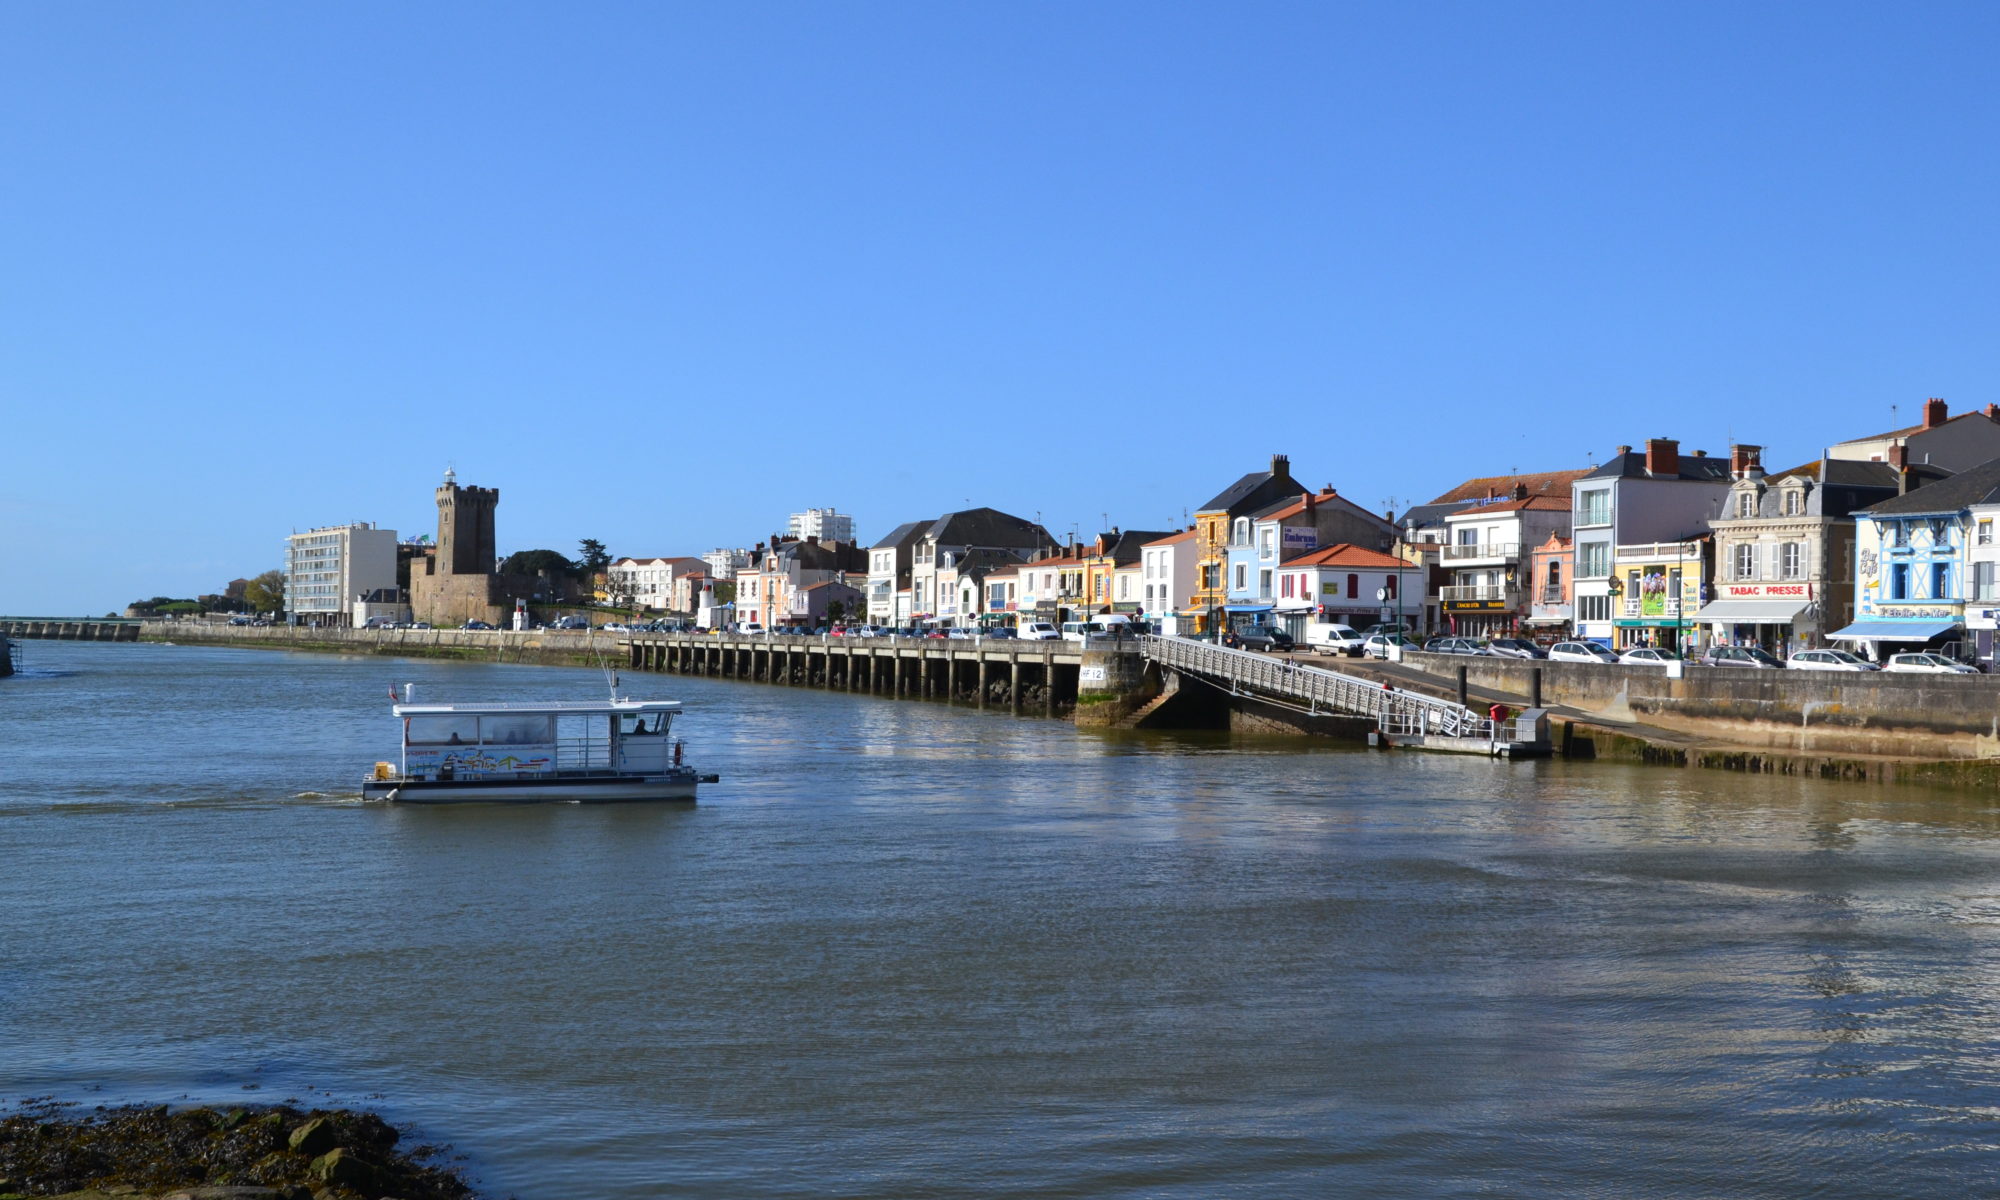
[(1581, 652), (1828, 660), (1921, 663)]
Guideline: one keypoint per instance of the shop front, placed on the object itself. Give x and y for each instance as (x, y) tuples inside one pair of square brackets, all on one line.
[(1778, 618), (1889, 632), (1480, 618)]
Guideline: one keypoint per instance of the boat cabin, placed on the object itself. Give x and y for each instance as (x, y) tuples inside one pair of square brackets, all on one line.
[(499, 741)]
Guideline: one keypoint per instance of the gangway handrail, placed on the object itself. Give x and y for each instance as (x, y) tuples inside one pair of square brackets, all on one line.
[(1246, 670)]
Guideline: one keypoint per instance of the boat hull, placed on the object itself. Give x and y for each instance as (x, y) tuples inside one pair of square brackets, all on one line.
[(603, 789)]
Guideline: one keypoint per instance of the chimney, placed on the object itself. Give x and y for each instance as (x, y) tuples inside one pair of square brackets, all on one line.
[(1935, 413), (1899, 462), (1993, 412), (1663, 456), (1281, 466), (1624, 450), (1701, 454), (812, 539), (1520, 491), (1743, 459), (1312, 502)]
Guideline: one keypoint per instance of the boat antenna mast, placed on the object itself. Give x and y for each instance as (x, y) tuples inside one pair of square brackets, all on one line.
[(610, 676)]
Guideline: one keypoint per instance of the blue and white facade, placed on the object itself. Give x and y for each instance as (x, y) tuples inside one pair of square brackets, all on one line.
[(1909, 574)]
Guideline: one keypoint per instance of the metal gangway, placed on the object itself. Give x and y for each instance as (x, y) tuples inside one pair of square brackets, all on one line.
[(1317, 690)]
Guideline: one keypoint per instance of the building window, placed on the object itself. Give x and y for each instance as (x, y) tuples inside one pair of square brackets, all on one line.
[(1940, 580), (1746, 561), (1594, 507), (1593, 560), (1593, 608), (1354, 587), (1899, 581), (1746, 504), (1794, 502), (1242, 537), (1268, 538), (1986, 533), (1982, 582), (1242, 577), (1790, 564), (1263, 585)]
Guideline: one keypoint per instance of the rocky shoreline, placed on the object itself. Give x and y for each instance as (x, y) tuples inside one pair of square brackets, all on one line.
[(49, 1148)]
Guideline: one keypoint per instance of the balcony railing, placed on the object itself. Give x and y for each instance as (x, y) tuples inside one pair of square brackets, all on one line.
[(1482, 550), (1480, 591), (1552, 593), (1668, 608)]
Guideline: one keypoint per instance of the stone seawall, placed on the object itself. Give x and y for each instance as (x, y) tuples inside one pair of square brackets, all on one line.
[(1909, 716), (565, 648)]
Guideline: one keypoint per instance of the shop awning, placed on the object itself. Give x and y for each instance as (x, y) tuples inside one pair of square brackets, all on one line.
[(1752, 612), (1894, 631), (1296, 606), (1246, 608)]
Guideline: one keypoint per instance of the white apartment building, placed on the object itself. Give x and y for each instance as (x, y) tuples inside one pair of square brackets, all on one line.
[(1167, 574), (327, 570), (723, 563), (822, 523)]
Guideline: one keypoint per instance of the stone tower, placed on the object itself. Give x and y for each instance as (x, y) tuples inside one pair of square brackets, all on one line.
[(465, 528)]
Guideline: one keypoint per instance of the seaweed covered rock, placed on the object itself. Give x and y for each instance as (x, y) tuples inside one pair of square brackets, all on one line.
[(158, 1153)]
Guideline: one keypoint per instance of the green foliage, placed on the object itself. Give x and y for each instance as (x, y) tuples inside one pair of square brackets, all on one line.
[(725, 591), (595, 556), (536, 562), (266, 593)]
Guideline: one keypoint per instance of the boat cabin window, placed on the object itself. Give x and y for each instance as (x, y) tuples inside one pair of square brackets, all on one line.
[(642, 723), (502, 730), (443, 731), (512, 730)]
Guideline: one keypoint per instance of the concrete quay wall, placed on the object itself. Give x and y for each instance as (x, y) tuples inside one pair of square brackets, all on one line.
[(74, 629), (561, 648), (1871, 713)]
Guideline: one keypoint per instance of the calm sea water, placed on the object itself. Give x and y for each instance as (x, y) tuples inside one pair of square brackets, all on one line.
[(906, 950)]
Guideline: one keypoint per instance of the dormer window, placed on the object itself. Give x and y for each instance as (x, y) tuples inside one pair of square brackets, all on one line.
[(1795, 501), (1746, 503)]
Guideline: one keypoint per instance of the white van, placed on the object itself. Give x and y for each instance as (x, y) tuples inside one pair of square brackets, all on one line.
[(750, 629), (1327, 638), (1075, 631), (1039, 631)]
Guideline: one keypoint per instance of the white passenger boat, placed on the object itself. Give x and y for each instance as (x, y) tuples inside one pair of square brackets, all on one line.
[(588, 750)]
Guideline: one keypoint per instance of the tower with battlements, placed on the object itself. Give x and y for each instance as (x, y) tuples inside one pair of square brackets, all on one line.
[(465, 528)]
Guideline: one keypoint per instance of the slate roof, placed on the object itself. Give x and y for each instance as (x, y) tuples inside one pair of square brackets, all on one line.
[(1256, 488), (1126, 549), (1170, 539), (1978, 485), (1426, 515), (1913, 430), (1632, 465), (986, 527), (902, 535)]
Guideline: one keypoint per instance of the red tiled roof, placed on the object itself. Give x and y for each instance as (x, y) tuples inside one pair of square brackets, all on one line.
[(1547, 503), (1346, 554), (1539, 483)]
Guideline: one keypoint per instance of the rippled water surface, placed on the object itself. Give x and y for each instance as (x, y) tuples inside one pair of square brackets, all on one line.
[(916, 951)]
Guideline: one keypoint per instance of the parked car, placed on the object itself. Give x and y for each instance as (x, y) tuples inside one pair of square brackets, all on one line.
[(1456, 645), (1924, 663), (1261, 637), (751, 629), (1040, 631), (1581, 652), (1506, 647), (961, 632), (1649, 656), (1739, 656), (420, 624), (1376, 645), (475, 625), (571, 623), (1002, 631), (1829, 660), (1388, 627), (1330, 638)]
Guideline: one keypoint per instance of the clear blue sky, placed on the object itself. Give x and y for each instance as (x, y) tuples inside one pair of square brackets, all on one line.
[(663, 273)]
